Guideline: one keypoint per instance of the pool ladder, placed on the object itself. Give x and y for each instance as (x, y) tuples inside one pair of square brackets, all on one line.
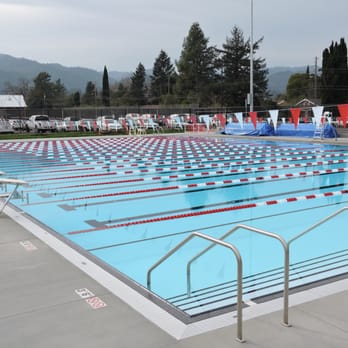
[(286, 248)]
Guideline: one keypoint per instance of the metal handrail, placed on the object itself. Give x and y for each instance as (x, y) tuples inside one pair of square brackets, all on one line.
[(8, 196), (317, 224), (268, 234), (239, 272), (286, 247)]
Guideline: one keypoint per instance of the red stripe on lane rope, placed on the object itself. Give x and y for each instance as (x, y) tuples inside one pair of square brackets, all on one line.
[(212, 183), (211, 211), (165, 218)]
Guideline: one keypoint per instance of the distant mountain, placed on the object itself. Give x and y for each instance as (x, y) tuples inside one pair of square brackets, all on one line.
[(76, 78), (119, 75), (13, 69), (278, 78)]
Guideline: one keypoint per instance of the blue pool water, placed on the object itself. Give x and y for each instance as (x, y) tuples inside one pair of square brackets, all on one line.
[(129, 200)]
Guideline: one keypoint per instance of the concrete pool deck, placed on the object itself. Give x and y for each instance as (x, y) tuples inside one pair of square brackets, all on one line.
[(46, 302), (41, 308)]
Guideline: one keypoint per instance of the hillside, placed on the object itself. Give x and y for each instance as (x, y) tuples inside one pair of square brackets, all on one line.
[(13, 69), (74, 78), (278, 78)]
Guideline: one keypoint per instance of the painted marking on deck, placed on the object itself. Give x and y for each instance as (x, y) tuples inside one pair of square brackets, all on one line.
[(95, 302), (84, 293), (28, 245)]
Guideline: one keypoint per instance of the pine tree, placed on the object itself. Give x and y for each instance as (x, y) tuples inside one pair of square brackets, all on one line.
[(196, 68), (42, 94), (235, 65), (106, 88), (76, 99), (59, 93), (137, 87), (89, 98), (163, 76)]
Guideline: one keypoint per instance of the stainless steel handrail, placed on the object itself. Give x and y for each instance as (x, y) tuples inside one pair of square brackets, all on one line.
[(337, 212), (286, 247), (268, 234), (239, 272), (9, 195)]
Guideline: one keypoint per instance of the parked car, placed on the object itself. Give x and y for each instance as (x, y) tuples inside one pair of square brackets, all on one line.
[(39, 123)]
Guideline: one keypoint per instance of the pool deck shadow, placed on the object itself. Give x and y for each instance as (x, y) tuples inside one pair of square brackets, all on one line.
[(48, 302)]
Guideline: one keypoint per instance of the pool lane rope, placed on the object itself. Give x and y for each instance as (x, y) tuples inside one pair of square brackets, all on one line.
[(166, 178), (193, 167), (215, 184), (213, 211), (132, 163)]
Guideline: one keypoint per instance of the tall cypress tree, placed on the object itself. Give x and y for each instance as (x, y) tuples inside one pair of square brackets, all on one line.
[(334, 78), (106, 88)]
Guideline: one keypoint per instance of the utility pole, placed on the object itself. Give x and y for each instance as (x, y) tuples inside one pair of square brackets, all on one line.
[(251, 93), (315, 78)]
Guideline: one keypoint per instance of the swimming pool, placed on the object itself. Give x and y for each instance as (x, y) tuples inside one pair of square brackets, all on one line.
[(129, 200)]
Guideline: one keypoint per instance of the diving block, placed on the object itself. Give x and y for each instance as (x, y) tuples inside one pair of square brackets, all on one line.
[(8, 196)]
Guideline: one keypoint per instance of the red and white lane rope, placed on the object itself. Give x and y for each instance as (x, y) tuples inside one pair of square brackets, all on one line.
[(215, 183), (200, 166), (213, 211)]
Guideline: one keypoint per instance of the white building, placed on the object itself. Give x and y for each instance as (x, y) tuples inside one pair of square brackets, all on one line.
[(12, 105)]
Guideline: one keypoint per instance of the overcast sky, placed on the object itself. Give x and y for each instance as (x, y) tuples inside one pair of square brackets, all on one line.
[(120, 34)]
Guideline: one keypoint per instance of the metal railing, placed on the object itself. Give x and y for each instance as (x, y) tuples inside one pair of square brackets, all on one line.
[(239, 272), (320, 222), (286, 248), (8, 196), (259, 231)]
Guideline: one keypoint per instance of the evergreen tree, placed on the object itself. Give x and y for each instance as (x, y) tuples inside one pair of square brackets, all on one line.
[(89, 98), (119, 94), (42, 94), (235, 65), (298, 87), (137, 87), (334, 78), (59, 93), (76, 99), (196, 68), (106, 88), (163, 76)]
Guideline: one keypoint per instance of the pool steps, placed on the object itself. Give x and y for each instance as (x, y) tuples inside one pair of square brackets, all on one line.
[(259, 285)]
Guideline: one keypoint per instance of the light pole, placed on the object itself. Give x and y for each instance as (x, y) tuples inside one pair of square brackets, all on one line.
[(251, 93)]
